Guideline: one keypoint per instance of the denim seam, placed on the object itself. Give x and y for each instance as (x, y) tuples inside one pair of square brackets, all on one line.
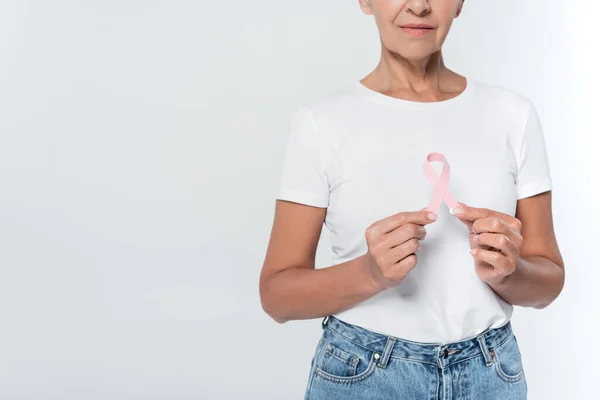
[(348, 379), (505, 340), (464, 359), (461, 382), (437, 386), (504, 376), (413, 359), (342, 359), (350, 365), (368, 349), (350, 340)]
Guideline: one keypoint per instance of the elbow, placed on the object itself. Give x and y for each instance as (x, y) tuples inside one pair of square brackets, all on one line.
[(268, 303), (559, 287), (269, 310), (272, 313), (278, 320)]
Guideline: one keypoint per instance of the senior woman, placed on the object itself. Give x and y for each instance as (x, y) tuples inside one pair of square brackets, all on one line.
[(418, 301)]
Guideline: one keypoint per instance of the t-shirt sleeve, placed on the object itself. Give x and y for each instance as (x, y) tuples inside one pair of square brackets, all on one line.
[(533, 170), (304, 169)]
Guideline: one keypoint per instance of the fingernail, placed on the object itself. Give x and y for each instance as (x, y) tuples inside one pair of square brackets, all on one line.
[(476, 237), (432, 216), (456, 210), (472, 251)]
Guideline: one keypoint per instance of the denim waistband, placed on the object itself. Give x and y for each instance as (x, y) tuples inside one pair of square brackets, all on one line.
[(434, 353)]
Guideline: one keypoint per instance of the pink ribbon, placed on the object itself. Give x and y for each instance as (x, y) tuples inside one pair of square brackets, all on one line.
[(440, 183)]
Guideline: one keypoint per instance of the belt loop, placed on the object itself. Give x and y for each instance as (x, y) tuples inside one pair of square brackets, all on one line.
[(485, 350), (324, 322), (387, 351)]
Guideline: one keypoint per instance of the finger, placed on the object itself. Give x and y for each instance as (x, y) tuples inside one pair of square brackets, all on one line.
[(472, 242), (392, 222), (403, 250), (493, 224), (515, 224), (487, 272), (474, 245), (497, 241), (496, 259), (401, 269), (405, 233), (473, 213)]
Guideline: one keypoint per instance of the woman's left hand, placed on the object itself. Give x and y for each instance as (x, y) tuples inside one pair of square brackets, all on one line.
[(495, 240)]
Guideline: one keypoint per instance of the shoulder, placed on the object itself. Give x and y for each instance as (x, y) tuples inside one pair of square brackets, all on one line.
[(331, 111), (333, 104), (503, 99)]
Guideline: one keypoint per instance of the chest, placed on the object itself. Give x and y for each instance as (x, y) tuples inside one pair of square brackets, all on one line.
[(379, 169)]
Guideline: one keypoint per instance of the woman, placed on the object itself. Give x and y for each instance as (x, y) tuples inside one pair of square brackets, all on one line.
[(408, 312)]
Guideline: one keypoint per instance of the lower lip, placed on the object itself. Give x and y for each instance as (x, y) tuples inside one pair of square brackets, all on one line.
[(417, 31)]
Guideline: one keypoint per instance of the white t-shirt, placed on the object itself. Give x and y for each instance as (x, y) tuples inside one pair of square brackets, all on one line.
[(360, 154)]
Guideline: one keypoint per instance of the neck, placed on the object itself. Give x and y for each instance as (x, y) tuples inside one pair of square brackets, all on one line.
[(419, 75)]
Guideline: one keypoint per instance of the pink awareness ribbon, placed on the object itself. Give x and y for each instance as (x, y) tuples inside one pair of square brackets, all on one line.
[(440, 183)]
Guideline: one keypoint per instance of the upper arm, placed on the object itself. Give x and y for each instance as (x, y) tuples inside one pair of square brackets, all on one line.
[(533, 167), (534, 190), (294, 238), (302, 198), (537, 228)]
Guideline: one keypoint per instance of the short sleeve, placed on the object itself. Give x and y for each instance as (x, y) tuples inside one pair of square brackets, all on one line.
[(533, 170), (304, 169)]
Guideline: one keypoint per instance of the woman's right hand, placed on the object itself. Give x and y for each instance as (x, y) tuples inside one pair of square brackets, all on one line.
[(393, 243)]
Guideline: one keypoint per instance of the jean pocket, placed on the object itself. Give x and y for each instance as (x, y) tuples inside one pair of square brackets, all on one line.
[(507, 360), (343, 361)]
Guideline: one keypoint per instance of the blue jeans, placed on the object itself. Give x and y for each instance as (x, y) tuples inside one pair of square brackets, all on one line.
[(351, 362)]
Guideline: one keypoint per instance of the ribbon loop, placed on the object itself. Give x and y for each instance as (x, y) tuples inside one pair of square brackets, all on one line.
[(440, 183)]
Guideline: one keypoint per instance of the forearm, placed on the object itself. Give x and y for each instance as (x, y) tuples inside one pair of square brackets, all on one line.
[(307, 293), (536, 282)]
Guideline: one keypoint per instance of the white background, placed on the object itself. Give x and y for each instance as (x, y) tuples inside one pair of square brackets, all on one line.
[(140, 147)]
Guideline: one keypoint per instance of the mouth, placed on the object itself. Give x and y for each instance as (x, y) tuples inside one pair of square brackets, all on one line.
[(415, 25), (416, 31)]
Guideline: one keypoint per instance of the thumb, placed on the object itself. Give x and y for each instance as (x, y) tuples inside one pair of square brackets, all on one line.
[(428, 211)]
